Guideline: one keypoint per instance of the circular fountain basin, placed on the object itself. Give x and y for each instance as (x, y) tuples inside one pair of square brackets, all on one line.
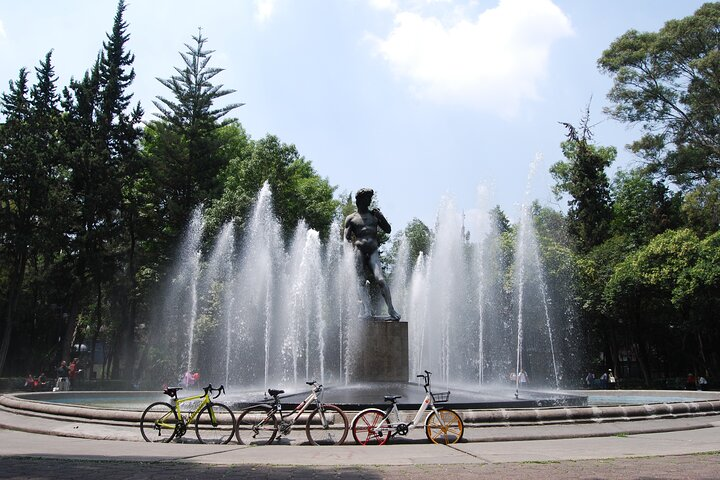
[(354, 397), (371, 394), (483, 408)]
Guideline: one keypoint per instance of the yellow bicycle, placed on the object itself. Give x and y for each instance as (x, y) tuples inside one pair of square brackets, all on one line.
[(214, 422)]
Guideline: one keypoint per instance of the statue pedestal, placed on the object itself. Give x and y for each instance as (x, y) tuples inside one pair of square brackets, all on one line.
[(383, 352)]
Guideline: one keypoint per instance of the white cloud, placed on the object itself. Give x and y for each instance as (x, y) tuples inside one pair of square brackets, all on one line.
[(492, 62), (264, 10), (391, 5)]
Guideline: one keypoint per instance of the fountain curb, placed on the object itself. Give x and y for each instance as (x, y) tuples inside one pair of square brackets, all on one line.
[(497, 417), (66, 425), (479, 418), (19, 405)]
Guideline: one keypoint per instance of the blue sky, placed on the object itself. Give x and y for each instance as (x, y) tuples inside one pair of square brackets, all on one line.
[(419, 99)]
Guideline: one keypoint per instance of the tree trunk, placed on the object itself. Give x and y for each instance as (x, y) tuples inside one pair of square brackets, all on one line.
[(70, 318), (702, 354), (14, 288), (98, 324), (126, 362)]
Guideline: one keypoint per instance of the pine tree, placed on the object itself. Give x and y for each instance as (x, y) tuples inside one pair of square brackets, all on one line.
[(15, 196), (583, 177), (186, 146), (102, 137), (28, 162)]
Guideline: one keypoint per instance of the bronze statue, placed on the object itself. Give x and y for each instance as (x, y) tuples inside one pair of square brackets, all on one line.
[(361, 229)]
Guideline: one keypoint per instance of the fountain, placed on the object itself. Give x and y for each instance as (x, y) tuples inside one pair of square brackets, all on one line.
[(254, 311), (251, 310)]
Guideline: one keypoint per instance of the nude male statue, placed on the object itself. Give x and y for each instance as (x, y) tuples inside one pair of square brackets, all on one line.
[(361, 229)]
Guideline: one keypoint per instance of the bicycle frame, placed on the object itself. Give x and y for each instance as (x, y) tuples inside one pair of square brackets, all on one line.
[(299, 409), (205, 400), (418, 421)]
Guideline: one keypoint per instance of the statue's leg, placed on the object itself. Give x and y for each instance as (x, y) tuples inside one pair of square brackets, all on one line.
[(374, 261), (362, 287)]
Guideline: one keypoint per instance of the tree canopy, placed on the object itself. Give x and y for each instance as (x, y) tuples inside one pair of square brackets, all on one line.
[(668, 81)]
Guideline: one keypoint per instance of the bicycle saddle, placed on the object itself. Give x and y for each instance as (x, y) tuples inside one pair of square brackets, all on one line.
[(275, 393), (171, 391), (392, 398)]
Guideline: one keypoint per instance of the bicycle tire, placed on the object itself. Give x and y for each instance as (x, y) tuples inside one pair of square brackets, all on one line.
[(332, 433), (445, 430), (256, 426), (159, 423), (218, 432), (370, 427)]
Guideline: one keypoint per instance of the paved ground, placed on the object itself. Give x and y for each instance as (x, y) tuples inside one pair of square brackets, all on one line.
[(674, 467), (655, 449)]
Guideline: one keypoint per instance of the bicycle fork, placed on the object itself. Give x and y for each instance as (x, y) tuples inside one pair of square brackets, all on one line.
[(323, 419)]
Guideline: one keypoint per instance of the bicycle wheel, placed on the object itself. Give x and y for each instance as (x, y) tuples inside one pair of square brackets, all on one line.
[(370, 427), (335, 428), (256, 426), (215, 424), (159, 423), (446, 427)]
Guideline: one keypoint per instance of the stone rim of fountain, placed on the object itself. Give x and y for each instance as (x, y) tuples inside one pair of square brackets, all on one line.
[(698, 404)]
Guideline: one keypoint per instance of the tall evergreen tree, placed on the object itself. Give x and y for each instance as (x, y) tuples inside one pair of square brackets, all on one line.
[(28, 161), (187, 148), (15, 198), (103, 137), (583, 177)]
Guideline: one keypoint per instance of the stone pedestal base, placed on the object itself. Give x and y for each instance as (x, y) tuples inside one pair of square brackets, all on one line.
[(382, 355)]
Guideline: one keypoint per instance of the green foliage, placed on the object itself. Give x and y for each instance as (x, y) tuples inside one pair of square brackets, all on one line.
[(499, 220), (645, 281), (419, 238), (701, 208), (698, 287), (30, 181), (194, 92), (187, 148), (583, 178), (642, 208), (298, 192), (669, 81)]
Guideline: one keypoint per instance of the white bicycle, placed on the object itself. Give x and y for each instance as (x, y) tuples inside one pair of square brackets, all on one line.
[(373, 426), (326, 425)]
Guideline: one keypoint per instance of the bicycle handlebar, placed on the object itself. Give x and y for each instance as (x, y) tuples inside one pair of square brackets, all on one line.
[(426, 377), (220, 391), (316, 386), (210, 389)]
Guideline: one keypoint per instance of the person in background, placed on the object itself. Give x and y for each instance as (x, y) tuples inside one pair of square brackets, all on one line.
[(604, 380), (63, 380), (611, 382), (523, 378), (187, 379), (73, 371)]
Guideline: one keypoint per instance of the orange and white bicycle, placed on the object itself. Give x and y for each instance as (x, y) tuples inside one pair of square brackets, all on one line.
[(373, 426)]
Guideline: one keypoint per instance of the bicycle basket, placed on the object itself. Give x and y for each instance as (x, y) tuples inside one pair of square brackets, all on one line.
[(440, 397)]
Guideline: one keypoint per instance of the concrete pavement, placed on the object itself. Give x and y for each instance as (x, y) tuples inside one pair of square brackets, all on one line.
[(43, 436), (45, 443), (680, 448), (705, 440)]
